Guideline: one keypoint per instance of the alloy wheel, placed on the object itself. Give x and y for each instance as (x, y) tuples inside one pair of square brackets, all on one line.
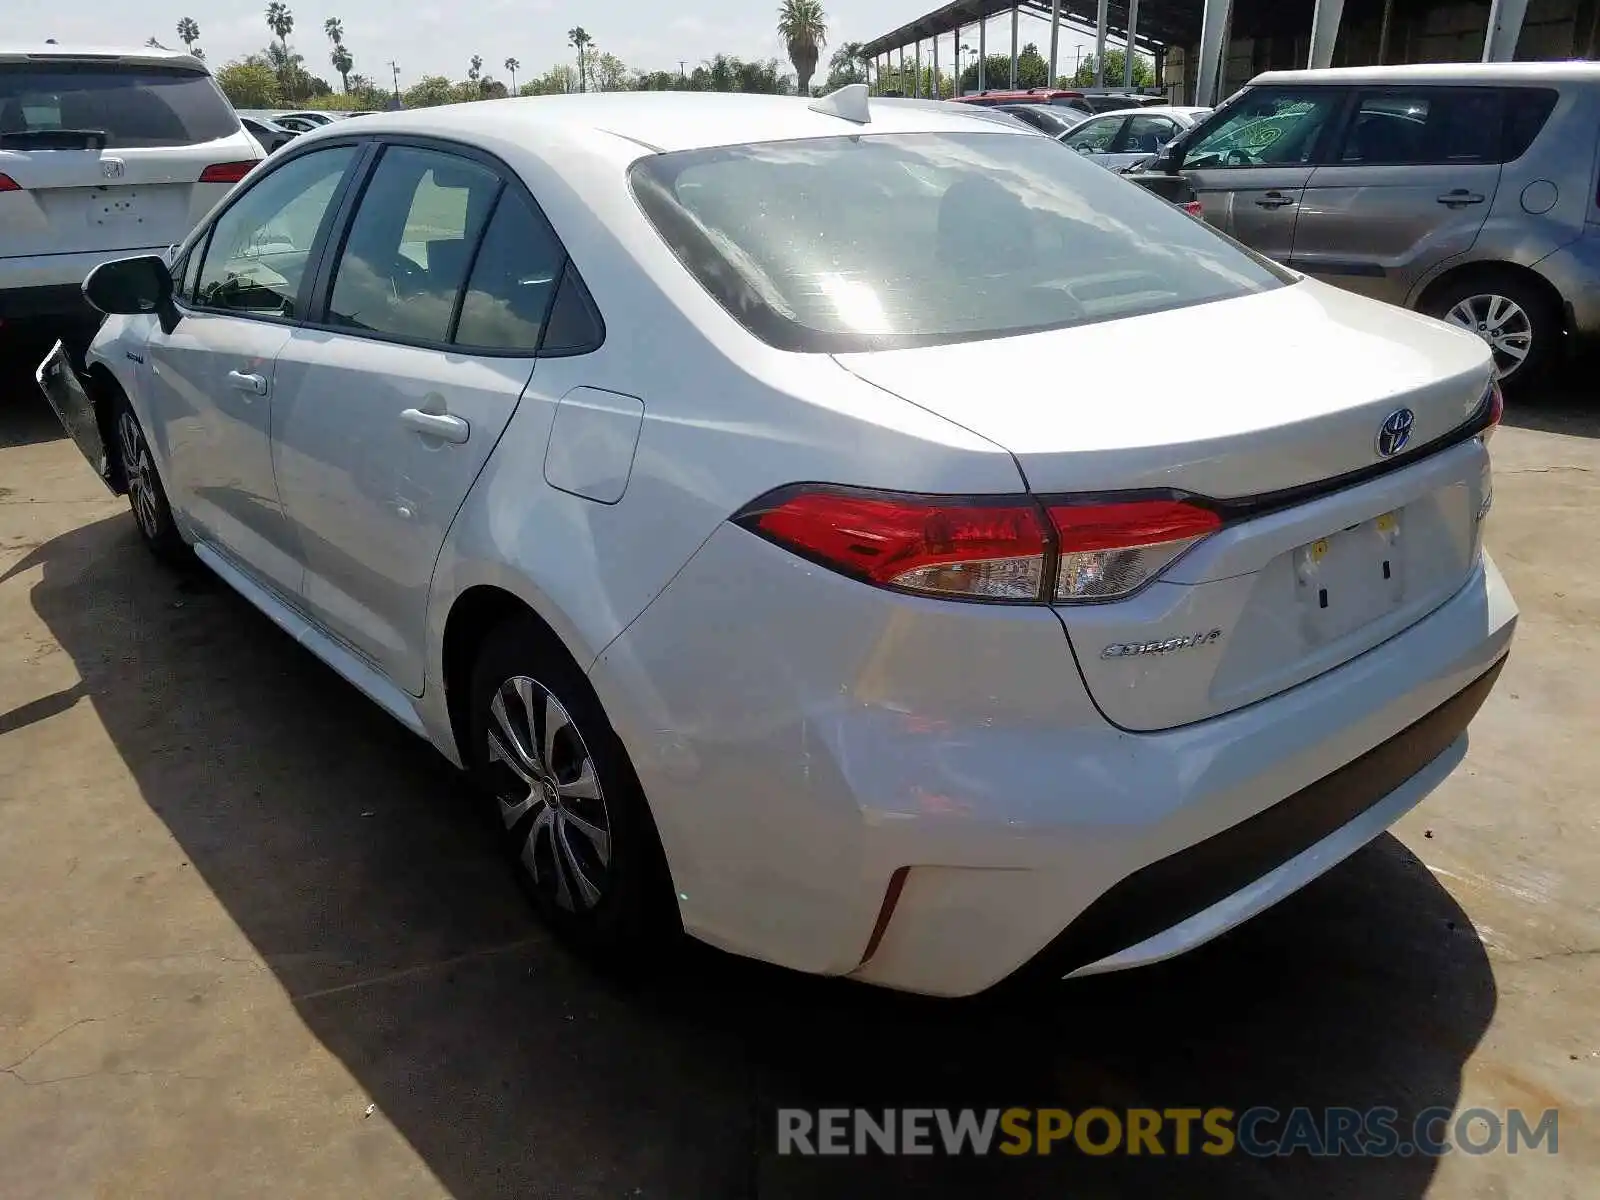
[(549, 793), (140, 475), (1502, 323)]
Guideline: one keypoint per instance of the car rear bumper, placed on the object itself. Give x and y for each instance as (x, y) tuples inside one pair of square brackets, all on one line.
[(919, 795)]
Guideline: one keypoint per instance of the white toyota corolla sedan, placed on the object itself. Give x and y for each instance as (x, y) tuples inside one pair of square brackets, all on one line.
[(762, 501)]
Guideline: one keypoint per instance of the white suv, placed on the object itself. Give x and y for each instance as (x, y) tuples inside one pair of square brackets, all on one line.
[(103, 153)]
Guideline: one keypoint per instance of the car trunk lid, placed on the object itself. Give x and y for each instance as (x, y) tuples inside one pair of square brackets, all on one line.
[(1271, 410)]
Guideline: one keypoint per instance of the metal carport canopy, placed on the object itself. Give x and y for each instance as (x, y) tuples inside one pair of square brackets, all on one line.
[(1161, 23)]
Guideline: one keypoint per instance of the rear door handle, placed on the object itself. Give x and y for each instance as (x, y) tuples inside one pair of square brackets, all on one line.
[(242, 382), (1274, 200), (1459, 197), (448, 428)]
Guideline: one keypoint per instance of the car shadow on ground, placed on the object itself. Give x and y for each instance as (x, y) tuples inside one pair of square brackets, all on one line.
[(359, 869)]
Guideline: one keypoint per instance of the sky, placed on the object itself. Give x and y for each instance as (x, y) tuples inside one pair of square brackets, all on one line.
[(439, 37)]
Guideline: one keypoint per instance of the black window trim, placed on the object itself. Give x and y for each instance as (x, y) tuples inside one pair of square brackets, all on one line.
[(322, 286), (200, 240)]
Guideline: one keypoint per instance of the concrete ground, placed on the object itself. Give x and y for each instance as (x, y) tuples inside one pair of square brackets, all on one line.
[(252, 942)]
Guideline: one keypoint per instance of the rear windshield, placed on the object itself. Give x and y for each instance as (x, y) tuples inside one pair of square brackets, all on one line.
[(131, 105), (859, 243)]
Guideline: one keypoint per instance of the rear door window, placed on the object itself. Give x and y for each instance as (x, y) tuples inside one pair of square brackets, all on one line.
[(127, 105), (410, 245), (514, 280), (1423, 126)]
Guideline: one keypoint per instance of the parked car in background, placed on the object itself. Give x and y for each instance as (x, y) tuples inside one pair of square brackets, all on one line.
[(1466, 191), (1054, 119), (311, 116), (644, 454), (1127, 136), (103, 153), (1056, 97), (270, 134)]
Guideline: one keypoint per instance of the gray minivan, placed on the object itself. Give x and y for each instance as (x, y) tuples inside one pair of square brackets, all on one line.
[(1467, 191)]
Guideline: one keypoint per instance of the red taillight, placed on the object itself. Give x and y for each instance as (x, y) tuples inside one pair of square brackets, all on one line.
[(1497, 403), (1194, 209), (982, 549), (8, 184), (1111, 550), (951, 547), (229, 172)]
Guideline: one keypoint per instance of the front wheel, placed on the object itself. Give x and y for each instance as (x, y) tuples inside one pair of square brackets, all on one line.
[(1515, 320), (576, 827), (152, 514)]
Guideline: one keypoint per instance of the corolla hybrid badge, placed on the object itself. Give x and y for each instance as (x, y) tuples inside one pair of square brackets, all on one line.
[(1166, 646), (1395, 432)]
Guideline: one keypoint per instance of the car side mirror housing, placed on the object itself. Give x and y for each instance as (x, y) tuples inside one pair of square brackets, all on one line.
[(130, 286), (1169, 158)]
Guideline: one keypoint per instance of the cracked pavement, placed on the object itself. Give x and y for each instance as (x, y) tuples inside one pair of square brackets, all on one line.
[(214, 960)]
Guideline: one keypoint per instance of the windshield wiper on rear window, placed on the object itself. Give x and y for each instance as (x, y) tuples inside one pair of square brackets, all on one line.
[(54, 139)]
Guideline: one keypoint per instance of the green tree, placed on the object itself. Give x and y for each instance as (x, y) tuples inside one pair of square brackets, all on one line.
[(475, 69), (429, 91), (579, 39), (512, 67), (1032, 70), (189, 34), (803, 26), (249, 83), (1143, 72), (846, 66), (559, 79), (610, 73)]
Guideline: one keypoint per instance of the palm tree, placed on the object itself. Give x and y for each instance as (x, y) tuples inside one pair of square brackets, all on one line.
[(344, 63), (513, 66), (281, 21), (340, 57), (475, 68), (188, 33), (579, 38), (803, 26)]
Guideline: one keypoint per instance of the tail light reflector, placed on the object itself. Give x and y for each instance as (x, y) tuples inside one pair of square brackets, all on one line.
[(228, 172), (1108, 551), (1497, 408), (8, 184), (989, 548)]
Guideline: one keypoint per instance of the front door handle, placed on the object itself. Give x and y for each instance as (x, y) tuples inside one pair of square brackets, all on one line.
[(242, 382), (1274, 200), (440, 425), (1459, 197)]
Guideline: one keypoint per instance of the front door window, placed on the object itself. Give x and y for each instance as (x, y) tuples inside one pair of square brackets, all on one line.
[(1267, 127)]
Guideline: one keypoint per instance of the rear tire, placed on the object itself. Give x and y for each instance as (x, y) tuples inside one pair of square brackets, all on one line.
[(1515, 318), (577, 830), (152, 514)]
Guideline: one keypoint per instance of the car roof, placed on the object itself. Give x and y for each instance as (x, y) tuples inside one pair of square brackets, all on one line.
[(668, 121), (1466, 73), (139, 55), (1157, 110)]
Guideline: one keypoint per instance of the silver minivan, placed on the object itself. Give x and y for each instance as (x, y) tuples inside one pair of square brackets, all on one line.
[(1467, 191)]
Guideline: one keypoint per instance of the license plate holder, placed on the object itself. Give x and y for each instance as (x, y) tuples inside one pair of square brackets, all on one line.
[(1350, 578), (116, 206)]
